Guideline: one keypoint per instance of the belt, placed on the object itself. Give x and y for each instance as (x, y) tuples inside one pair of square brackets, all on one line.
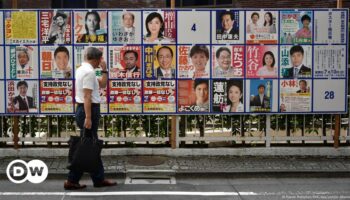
[(92, 104)]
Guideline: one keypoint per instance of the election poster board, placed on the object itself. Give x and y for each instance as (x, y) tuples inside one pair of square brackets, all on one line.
[(179, 61)]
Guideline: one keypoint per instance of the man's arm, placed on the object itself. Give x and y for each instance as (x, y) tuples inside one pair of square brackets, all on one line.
[(102, 82), (87, 108)]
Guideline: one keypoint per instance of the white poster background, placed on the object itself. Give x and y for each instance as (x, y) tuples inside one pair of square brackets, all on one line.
[(193, 27), (329, 95), (330, 27)]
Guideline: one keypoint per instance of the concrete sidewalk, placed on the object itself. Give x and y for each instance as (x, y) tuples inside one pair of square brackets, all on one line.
[(204, 164)]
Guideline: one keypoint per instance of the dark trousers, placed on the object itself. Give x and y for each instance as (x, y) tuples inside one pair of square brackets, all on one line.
[(74, 175)]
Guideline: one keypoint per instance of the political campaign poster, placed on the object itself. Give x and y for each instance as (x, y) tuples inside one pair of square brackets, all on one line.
[(79, 52), (55, 27), (125, 62), (124, 27), (295, 95), (330, 61), (2, 91), (296, 61), (193, 61), (2, 71), (125, 96), (56, 62), (159, 96), (262, 61), (296, 27), (22, 96), (330, 27), (228, 96), (228, 27), (90, 26), (159, 27), (193, 96), (260, 95), (160, 61), (22, 62), (261, 27), (228, 61), (56, 96), (21, 27)]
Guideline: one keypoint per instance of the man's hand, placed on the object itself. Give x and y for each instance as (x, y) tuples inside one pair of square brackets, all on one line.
[(103, 65), (87, 123)]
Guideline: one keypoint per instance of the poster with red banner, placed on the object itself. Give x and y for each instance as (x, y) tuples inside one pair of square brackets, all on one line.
[(193, 95), (125, 96), (56, 96), (261, 61), (125, 62), (159, 96), (55, 27)]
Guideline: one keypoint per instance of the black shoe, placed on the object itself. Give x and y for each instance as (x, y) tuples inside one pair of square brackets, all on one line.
[(105, 183), (73, 186)]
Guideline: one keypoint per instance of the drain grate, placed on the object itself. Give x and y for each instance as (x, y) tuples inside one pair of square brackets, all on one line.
[(136, 176)]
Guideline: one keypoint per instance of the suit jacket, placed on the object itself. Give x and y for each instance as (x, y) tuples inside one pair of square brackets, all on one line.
[(232, 32), (160, 74), (22, 104), (264, 104), (304, 71)]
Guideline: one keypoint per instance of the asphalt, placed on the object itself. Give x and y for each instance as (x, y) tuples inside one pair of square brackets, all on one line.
[(120, 165)]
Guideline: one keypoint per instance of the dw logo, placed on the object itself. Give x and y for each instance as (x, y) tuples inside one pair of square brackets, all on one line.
[(35, 171)]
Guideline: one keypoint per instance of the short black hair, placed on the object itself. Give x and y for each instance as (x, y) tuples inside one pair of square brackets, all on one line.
[(98, 18), (295, 49), (165, 47), (200, 81), (254, 13), (20, 83), (303, 81), (234, 83), (61, 49), (93, 53), (60, 14), (226, 13), (131, 51), (221, 49), (199, 49), (261, 85), (305, 17)]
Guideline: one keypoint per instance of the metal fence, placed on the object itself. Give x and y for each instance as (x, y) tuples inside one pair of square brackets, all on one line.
[(192, 130)]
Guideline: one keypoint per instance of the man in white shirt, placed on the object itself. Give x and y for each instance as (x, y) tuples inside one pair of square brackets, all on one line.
[(88, 111)]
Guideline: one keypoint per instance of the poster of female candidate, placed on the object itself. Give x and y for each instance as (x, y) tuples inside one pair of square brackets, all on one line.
[(124, 27), (55, 27), (22, 96), (90, 26), (193, 61), (227, 96), (261, 27), (296, 27), (159, 96), (21, 27), (262, 61), (56, 96), (125, 96)]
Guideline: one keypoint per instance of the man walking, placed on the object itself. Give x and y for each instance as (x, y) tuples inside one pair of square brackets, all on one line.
[(88, 111)]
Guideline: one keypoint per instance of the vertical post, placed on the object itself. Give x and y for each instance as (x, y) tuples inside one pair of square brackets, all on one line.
[(337, 117), (173, 136), (15, 125), (268, 131)]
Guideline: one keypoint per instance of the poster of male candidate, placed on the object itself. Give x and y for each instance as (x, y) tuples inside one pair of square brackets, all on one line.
[(22, 62), (262, 61), (159, 27), (330, 27), (194, 95), (228, 96), (330, 61), (125, 62), (296, 27), (228, 26), (295, 95), (160, 61), (124, 27), (261, 95), (21, 27), (296, 61), (228, 61), (159, 96), (125, 96), (261, 27), (79, 52), (22, 96), (55, 27), (193, 61), (56, 62), (90, 26), (56, 96)]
